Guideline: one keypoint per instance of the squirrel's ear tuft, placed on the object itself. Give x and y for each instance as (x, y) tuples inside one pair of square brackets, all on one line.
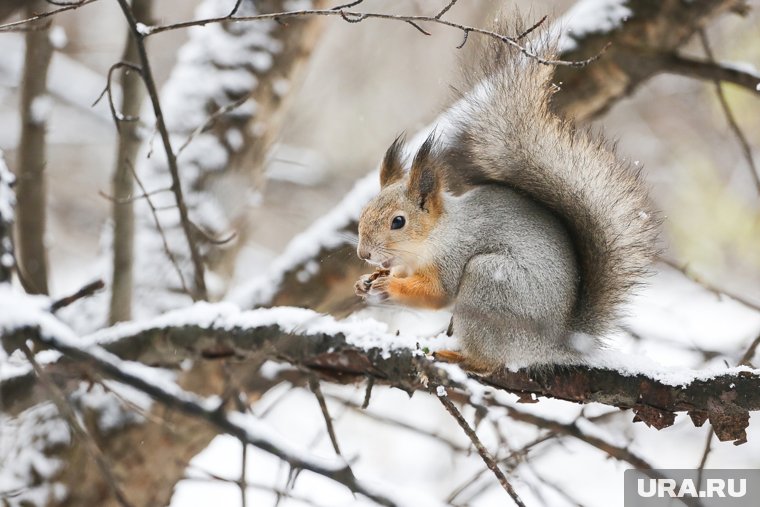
[(424, 178), (392, 168)]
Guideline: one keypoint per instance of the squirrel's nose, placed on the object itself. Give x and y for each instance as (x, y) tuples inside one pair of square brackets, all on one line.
[(363, 253)]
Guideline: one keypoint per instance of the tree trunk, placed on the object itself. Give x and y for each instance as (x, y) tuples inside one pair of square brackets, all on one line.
[(32, 257), (123, 182)]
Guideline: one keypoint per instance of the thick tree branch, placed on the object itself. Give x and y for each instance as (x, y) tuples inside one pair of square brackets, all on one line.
[(705, 69), (654, 27), (725, 399)]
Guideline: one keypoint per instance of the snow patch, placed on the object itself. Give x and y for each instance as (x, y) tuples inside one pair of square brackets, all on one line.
[(57, 37), (39, 109), (588, 17)]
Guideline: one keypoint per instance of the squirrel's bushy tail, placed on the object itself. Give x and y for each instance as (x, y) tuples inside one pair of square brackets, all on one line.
[(504, 132)]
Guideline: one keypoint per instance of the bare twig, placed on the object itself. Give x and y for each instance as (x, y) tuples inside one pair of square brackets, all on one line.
[(507, 461), (317, 390), (484, 454), (211, 120), (199, 291), (705, 455), (401, 424), (86, 291), (531, 29), (684, 269), (357, 17), (277, 491), (160, 230), (16, 25), (746, 148), (746, 359), (243, 484), (347, 6), (68, 413), (445, 9), (368, 392), (614, 451), (131, 199)]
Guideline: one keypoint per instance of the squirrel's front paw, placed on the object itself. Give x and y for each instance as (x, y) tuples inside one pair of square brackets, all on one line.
[(378, 289), (362, 285), (373, 288)]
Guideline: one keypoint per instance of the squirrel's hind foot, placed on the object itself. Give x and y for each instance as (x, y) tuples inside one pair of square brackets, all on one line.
[(466, 363)]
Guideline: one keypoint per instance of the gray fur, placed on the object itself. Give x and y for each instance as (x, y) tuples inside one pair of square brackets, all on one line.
[(509, 266)]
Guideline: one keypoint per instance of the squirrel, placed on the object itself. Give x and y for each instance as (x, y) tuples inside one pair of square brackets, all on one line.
[(532, 231)]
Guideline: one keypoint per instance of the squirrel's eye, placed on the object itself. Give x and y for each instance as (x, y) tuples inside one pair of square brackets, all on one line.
[(398, 222)]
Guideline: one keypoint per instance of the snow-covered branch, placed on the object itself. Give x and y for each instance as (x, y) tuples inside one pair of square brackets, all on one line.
[(351, 350)]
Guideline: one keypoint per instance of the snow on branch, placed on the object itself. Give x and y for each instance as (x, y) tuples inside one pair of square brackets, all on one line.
[(7, 205), (350, 350)]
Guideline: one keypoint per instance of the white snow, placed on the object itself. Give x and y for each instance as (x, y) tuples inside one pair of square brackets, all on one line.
[(588, 17), (143, 29), (7, 196), (33, 432), (39, 109), (746, 67), (58, 38)]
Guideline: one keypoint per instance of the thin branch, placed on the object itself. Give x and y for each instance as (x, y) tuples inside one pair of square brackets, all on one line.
[(132, 199), (147, 75), (65, 410), (684, 269), (484, 454), (368, 392), (243, 484), (117, 116), (86, 291), (746, 148), (705, 455), (356, 17), (160, 230), (211, 120), (746, 359), (347, 6), (17, 25), (277, 491), (506, 461), (445, 9), (531, 29), (317, 390), (614, 451), (401, 424)]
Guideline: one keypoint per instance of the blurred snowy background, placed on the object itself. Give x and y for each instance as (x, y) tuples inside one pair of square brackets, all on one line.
[(359, 87)]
